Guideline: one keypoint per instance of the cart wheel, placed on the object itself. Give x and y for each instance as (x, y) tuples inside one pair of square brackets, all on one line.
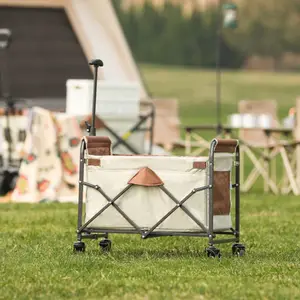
[(79, 247), (105, 245), (213, 252), (238, 249)]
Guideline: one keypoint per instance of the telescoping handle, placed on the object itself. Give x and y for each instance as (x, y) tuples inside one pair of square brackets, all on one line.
[(96, 63)]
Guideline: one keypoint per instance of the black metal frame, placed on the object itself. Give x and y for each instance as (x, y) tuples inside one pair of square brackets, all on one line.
[(93, 233), (122, 140)]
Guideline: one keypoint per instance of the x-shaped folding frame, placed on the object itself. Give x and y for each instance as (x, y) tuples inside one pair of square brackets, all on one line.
[(86, 231), (145, 234)]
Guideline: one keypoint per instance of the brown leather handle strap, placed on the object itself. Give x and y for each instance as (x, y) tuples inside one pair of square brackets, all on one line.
[(98, 145), (226, 145)]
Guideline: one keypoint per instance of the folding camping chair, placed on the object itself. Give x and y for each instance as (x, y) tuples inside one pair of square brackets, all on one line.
[(144, 124), (290, 153), (167, 124), (258, 146)]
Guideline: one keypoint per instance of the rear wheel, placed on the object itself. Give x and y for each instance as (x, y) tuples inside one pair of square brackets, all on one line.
[(105, 245)]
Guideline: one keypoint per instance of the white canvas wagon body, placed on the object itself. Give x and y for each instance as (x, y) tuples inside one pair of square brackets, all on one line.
[(158, 195)]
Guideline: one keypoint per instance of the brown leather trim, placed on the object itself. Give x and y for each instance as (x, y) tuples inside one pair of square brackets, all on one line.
[(146, 177), (98, 145), (199, 165), (227, 145), (17, 112), (221, 192), (94, 162), (98, 122)]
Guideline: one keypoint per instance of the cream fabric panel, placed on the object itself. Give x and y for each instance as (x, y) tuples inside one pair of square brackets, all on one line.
[(146, 205), (223, 162)]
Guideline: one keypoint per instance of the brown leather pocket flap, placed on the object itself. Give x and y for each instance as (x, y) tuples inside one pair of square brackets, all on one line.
[(146, 177), (221, 192)]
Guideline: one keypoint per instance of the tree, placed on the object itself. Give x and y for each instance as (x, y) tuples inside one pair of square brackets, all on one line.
[(167, 36), (267, 28), (172, 37)]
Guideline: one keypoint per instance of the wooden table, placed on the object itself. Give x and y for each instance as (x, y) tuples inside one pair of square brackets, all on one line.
[(263, 159)]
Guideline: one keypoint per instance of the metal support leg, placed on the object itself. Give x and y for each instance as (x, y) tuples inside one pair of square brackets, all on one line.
[(237, 193), (79, 246), (237, 248), (80, 198), (210, 193)]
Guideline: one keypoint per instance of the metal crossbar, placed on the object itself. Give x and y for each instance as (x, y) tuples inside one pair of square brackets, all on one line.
[(122, 140), (111, 202), (179, 204), (136, 127)]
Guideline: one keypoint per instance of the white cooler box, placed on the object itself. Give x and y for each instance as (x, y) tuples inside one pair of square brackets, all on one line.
[(118, 105), (114, 99)]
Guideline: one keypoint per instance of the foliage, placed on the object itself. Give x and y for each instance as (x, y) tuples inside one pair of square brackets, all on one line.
[(267, 28), (167, 36)]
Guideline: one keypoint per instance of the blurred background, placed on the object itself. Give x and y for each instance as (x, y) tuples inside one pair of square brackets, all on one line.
[(176, 74), (267, 36), (194, 61)]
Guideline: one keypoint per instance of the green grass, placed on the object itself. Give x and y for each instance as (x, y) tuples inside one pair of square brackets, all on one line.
[(36, 240), (196, 90), (37, 259)]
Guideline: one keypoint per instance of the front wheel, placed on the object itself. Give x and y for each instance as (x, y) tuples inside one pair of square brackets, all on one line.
[(238, 250), (212, 252), (79, 247)]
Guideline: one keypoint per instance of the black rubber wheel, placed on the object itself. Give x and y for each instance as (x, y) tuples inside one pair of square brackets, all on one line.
[(79, 247), (213, 252), (238, 250), (105, 245)]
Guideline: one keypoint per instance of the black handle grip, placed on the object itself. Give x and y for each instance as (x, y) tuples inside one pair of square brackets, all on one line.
[(96, 63)]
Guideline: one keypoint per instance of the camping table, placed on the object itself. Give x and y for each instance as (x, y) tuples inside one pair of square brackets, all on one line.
[(194, 135)]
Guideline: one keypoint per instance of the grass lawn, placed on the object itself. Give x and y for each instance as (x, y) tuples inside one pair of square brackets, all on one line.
[(38, 263), (36, 240), (195, 90)]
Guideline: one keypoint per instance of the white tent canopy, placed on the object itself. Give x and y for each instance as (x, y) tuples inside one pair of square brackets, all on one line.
[(99, 33)]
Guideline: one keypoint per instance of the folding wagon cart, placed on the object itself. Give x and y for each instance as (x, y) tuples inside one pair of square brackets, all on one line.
[(157, 196)]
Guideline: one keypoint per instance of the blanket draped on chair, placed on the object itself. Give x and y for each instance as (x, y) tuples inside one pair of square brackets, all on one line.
[(50, 157)]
